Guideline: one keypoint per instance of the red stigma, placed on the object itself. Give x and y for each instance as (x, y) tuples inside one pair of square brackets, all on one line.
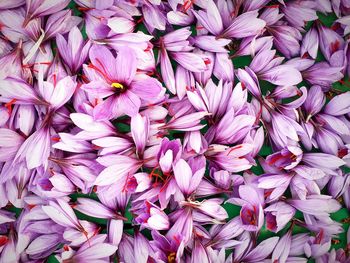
[(268, 193), (84, 9), (306, 55), (335, 46), (55, 138), (9, 105), (31, 206), (187, 5), (319, 237), (54, 80), (274, 159), (207, 61), (177, 240), (3, 240), (342, 152), (84, 78), (234, 148), (139, 21), (335, 26), (102, 72)]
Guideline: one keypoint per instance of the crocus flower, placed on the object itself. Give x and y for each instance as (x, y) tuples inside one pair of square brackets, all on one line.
[(338, 105), (278, 215), (317, 246), (316, 205), (169, 249), (241, 29), (96, 249), (116, 79), (17, 91), (287, 158), (222, 236), (187, 177), (118, 169), (310, 44), (153, 218), (286, 39), (76, 231), (42, 8), (190, 122), (231, 159), (169, 153), (252, 201), (297, 13), (139, 130), (330, 41), (75, 51), (258, 253), (55, 95), (95, 209), (132, 248), (322, 74)]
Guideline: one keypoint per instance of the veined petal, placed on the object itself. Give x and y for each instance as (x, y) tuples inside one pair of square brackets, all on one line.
[(129, 103), (17, 89), (139, 130), (264, 249), (93, 208), (183, 175), (126, 65), (117, 172)]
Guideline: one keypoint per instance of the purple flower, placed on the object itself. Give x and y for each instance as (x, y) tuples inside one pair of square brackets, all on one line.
[(297, 13), (117, 79), (286, 39), (309, 46), (278, 215), (322, 74), (94, 250), (169, 153), (73, 52), (153, 218), (39, 8), (330, 41), (240, 28), (257, 253), (232, 159), (316, 205), (118, 170), (287, 158), (169, 249), (252, 201), (188, 177)]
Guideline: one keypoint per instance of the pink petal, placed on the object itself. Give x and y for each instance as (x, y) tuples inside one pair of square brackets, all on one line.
[(183, 175), (126, 64)]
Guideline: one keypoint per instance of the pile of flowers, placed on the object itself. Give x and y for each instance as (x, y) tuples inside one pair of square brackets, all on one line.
[(174, 131)]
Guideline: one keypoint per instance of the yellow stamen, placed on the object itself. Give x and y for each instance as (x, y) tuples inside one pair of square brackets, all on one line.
[(171, 257), (117, 85)]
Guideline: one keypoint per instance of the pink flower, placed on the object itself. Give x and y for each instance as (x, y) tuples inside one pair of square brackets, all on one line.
[(117, 80)]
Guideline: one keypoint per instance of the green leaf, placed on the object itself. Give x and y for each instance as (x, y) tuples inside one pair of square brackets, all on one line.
[(52, 259)]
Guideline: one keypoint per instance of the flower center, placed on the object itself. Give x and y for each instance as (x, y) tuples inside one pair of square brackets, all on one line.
[(117, 85), (171, 257)]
